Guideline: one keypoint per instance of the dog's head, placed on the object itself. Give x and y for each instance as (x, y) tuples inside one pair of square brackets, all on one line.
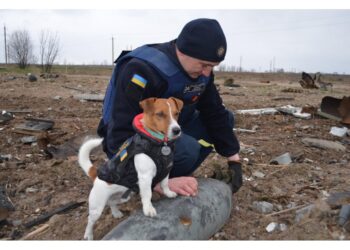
[(160, 115)]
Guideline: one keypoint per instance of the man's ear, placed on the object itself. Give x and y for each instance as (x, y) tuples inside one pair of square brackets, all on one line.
[(147, 104), (178, 103)]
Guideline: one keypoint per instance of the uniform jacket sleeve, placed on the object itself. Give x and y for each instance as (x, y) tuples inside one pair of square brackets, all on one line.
[(216, 119), (125, 105)]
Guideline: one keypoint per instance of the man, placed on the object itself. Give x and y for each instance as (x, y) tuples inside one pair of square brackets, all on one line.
[(182, 68)]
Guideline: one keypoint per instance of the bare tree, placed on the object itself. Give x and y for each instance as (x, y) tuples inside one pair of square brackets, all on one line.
[(49, 49), (21, 48)]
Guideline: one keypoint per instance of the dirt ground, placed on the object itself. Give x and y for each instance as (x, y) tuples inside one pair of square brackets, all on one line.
[(38, 182)]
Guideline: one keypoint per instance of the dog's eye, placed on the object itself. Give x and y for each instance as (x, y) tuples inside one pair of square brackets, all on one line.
[(176, 114), (160, 114)]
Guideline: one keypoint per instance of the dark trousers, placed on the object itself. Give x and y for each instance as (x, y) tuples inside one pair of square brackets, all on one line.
[(189, 154)]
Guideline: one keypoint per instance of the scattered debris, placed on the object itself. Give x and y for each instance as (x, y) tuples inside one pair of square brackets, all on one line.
[(263, 207), (49, 76), (283, 98), (90, 97), (338, 199), (336, 109), (340, 132), (32, 78), (292, 90), (262, 111), (6, 157), (283, 159), (303, 212), (307, 82), (295, 111), (258, 174), (57, 97), (28, 139), (6, 205), (230, 83), (309, 109), (5, 116), (46, 216), (36, 124), (272, 227), (323, 144), (250, 131), (323, 85), (344, 214), (14, 111), (36, 232)]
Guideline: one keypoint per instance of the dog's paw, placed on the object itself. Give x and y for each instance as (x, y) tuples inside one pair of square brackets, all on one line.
[(117, 214), (88, 236), (149, 211), (170, 194)]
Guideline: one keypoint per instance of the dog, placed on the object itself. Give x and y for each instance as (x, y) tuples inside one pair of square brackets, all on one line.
[(159, 117)]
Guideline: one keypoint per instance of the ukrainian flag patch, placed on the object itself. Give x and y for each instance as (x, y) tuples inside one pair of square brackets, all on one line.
[(139, 80), (123, 155)]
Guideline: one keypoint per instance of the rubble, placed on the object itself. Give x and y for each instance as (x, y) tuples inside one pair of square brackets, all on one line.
[(340, 132), (262, 207), (323, 144), (283, 159)]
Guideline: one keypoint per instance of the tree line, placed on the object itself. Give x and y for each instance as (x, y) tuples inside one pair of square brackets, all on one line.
[(21, 49)]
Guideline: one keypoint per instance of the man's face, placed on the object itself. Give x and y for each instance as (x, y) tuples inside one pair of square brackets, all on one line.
[(195, 67)]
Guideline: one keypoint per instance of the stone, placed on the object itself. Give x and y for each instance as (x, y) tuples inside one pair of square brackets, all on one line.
[(303, 212), (271, 227), (263, 207), (323, 144)]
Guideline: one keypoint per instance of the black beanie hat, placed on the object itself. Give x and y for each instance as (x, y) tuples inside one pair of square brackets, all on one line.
[(203, 39)]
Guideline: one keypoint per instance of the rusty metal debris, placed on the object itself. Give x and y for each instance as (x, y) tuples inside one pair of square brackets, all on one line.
[(5, 116), (336, 109), (323, 85), (307, 82), (36, 124)]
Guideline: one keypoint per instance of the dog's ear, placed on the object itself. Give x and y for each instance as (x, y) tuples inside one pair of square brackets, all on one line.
[(178, 103), (147, 104)]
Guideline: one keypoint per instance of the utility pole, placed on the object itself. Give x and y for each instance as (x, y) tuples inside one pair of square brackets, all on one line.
[(5, 44), (240, 64), (112, 50)]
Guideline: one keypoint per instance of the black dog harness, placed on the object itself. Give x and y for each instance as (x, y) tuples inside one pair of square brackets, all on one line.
[(121, 168)]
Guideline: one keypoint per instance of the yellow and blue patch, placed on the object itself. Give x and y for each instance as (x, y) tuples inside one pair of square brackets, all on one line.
[(139, 80), (123, 155)]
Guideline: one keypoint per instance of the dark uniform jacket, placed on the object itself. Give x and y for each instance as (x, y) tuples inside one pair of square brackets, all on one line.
[(125, 104)]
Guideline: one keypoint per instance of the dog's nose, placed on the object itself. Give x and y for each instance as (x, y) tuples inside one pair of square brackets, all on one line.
[(176, 131)]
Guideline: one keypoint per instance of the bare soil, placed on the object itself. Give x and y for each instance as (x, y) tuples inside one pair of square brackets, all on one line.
[(38, 183)]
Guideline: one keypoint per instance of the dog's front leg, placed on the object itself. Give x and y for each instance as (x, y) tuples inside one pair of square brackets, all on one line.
[(164, 184), (146, 170)]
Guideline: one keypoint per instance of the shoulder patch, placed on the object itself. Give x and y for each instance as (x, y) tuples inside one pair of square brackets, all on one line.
[(139, 80)]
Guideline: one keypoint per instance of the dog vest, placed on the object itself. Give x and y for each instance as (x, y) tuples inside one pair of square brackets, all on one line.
[(121, 169), (179, 84)]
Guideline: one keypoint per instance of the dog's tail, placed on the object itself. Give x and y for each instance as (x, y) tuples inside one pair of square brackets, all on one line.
[(84, 157)]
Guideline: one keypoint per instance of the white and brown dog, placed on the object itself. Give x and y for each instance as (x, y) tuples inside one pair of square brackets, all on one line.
[(160, 118)]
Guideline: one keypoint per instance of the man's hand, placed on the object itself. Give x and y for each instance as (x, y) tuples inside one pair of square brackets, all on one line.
[(237, 179), (184, 185)]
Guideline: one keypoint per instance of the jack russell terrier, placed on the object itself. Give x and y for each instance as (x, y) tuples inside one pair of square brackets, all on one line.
[(141, 162)]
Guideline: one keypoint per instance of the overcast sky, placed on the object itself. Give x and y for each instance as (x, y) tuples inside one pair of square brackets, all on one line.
[(298, 40)]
